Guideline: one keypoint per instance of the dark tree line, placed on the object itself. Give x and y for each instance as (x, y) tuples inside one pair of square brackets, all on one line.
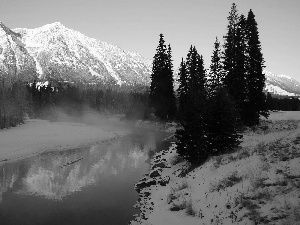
[(283, 103), (74, 98), (13, 104)]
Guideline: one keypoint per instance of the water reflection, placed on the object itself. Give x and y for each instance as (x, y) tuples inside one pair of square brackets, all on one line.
[(108, 166)]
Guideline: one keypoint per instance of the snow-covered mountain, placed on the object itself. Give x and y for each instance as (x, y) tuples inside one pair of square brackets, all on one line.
[(281, 84), (56, 51)]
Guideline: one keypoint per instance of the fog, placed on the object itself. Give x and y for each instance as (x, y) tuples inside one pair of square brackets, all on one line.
[(85, 115)]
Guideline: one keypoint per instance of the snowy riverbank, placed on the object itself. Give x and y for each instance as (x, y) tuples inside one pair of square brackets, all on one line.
[(35, 136), (258, 183)]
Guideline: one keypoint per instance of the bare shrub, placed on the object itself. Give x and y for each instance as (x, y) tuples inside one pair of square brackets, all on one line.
[(173, 195), (263, 194), (217, 161), (229, 181), (257, 181), (183, 185), (244, 153), (178, 206), (189, 208)]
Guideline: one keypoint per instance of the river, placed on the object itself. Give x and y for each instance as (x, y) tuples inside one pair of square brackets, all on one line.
[(96, 189)]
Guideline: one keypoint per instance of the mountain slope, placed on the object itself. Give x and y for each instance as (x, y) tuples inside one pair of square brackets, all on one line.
[(58, 52), (282, 84), (15, 59)]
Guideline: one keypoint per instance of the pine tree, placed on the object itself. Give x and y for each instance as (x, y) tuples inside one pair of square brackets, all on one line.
[(162, 97), (216, 73), (191, 139), (256, 104)]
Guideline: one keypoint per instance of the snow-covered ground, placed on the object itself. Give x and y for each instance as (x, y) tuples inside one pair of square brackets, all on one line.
[(257, 184), (36, 136)]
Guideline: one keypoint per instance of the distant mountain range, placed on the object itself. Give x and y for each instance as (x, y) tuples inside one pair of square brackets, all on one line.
[(54, 51), (281, 85)]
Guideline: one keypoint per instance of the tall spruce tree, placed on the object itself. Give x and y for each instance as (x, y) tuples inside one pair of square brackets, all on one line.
[(162, 97), (234, 60), (216, 72), (191, 138), (243, 63), (182, 92), (171, 103), (256, 104), (222, 118)]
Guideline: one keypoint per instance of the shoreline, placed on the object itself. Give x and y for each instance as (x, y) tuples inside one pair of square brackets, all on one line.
[(36, 136), (235, 188)]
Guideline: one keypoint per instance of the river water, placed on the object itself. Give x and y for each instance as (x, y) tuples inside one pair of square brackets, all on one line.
[(97, 189)]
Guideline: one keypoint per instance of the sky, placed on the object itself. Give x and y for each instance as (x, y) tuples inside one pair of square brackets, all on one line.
[(135, 25)]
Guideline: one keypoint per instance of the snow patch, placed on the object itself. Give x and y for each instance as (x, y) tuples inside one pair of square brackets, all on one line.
[(38, 66)]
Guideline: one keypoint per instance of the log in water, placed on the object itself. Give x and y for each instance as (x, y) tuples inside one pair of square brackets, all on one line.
[(69, 163)]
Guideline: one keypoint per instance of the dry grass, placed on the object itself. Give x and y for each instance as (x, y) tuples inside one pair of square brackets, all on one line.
[(174, 191)]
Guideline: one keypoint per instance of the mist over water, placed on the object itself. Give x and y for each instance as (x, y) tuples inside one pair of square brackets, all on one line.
[(85, 115)]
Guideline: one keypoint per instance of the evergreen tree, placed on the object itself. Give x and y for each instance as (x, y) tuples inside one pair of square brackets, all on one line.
[(216, 72), (223, 123), (230, 43), (191, 138), (256, 104), (171, 102), (182, 92), (235, 60), (243, 62), (162, 97)]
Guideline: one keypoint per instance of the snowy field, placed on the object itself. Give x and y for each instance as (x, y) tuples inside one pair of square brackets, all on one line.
[(36, 136), (259, 183)]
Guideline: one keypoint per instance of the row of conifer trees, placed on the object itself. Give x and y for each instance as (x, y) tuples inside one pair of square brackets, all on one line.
[(73, 99), (42, 99), (211, 106)]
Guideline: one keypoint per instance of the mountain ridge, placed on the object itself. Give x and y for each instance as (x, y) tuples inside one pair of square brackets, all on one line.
[(283, 85), (62, 53)]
